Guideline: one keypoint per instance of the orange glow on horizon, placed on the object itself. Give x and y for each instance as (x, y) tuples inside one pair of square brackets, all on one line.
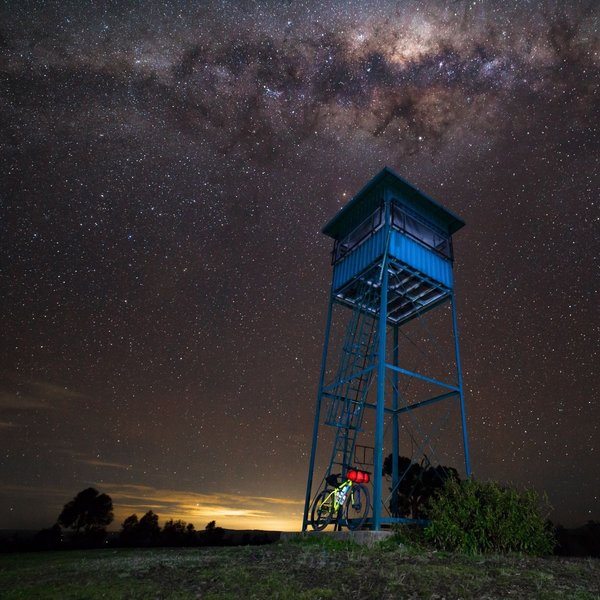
[(231, 511)]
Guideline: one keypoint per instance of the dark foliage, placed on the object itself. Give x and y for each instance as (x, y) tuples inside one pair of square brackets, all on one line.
[(177, 533), (212, 535), (142, 532), (418, 484), (89, 511), (146, 532), (88, 515), (484, 517), (148, 529), (129, 529)]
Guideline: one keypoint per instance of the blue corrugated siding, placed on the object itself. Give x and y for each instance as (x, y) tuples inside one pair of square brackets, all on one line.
[(401, 247), (358, 259), (417, 256)]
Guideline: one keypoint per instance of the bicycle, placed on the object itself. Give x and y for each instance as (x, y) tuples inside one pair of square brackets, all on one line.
[(349, 499)]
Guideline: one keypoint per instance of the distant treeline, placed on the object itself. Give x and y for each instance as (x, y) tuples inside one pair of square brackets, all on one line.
[(25, 541), (83, 522)]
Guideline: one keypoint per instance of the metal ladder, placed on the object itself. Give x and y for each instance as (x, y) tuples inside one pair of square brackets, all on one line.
[(347, 393)]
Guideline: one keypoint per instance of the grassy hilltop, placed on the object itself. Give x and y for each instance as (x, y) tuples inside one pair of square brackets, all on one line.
[(307, 569)]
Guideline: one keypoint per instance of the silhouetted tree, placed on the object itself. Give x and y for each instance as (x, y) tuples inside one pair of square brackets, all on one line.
[(140, 532), (190, 534), (146, 532), (213, 534), (89, 511), (148, 529), (129, 531), (417, 485), (173, 533)]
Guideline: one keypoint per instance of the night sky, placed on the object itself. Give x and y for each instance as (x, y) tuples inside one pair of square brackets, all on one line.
[(166, 168)]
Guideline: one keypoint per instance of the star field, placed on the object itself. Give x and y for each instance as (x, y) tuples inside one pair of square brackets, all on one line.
[(166, 170)]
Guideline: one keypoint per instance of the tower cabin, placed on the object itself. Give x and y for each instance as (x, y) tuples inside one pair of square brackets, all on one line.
[(391, 213)]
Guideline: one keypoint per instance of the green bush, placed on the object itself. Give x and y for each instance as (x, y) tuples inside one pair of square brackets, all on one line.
[(411, 537), (475, 518)]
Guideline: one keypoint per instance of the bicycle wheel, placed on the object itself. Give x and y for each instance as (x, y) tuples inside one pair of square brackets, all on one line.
[(321, 512), (356, 507)]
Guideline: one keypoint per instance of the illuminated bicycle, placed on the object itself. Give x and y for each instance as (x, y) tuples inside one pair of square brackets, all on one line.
[(348, 500)]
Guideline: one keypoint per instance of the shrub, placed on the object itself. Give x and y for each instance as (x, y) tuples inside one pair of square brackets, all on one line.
[(475, 517), (410, 536)]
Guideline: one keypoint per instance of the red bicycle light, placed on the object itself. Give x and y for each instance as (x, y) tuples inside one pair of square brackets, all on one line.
[(357, 476)]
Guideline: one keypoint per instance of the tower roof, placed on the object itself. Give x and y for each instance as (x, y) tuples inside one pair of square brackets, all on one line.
[(369, 197)]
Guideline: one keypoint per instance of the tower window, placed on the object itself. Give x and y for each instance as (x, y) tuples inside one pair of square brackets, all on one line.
[(360, 233), (424, 233)]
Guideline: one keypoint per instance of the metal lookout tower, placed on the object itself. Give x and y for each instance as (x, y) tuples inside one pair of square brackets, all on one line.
[(392, 263)]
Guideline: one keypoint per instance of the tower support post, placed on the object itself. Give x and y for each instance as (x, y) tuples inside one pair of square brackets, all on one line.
[(381, 372), (395, 425), (463, 416), (313, 448)]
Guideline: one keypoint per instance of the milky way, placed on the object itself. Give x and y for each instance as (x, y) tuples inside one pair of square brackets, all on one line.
[(166, 170)]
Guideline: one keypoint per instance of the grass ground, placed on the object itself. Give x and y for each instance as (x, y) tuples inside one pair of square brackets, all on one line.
[(295, 570)]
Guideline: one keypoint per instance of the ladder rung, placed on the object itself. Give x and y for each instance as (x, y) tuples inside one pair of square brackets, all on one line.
[(348, 393)]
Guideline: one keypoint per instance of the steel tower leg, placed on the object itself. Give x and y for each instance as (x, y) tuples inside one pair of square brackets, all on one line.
[(395, 425), (460, 389), (380, 410), (313, 450)]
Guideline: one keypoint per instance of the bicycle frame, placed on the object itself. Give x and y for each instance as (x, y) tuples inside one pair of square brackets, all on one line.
[(340, 493), (346, 504)]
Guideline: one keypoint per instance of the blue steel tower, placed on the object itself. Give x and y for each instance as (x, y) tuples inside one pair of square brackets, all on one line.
[(392, 262)]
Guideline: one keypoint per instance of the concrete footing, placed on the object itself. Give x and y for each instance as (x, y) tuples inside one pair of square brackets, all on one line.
[(366, 538)]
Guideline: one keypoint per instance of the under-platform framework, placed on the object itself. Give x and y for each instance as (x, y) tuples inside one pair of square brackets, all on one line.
[(392, 263)]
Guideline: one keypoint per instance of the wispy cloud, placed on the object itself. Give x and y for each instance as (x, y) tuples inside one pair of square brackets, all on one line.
[(29, 491), (53, 391), (35, 395), (229, 510), (19, 401), (96, 462)]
